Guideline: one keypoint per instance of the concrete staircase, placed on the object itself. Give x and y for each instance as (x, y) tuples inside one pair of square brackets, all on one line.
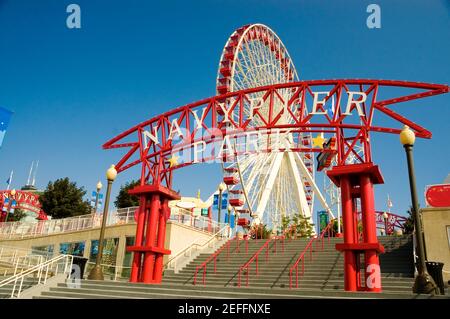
[(5, 291), (323, 276), (324, 272)]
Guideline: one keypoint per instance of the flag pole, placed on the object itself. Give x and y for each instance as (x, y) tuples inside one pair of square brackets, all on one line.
[(9, 180), (389, 205)]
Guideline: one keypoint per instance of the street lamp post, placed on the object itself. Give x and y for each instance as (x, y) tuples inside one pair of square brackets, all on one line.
[(96, 272), (222, 187), (99, 187), (385, 217), (424, 283)]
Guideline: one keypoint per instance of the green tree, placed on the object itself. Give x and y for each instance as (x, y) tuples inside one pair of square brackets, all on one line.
[(62, 198), (16, 216), (124, 199), (408, 226), (297, 226), (303, 227), (285, 221), (260, 231), (335, 226)]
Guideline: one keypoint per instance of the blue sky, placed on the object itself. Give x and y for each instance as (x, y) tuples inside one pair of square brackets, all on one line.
[(73, 89)]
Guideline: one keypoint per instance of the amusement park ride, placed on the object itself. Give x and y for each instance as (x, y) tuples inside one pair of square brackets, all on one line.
[(265, 126)]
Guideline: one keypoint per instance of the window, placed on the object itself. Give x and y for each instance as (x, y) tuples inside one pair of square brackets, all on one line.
[(46, 251), (127, 259), (109, 251), (109, 256), (75, 249)]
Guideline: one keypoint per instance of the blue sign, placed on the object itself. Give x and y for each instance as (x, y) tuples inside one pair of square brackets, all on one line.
[(5, 204), (224, 200), (13, 206), (231, 222), (94, 197)]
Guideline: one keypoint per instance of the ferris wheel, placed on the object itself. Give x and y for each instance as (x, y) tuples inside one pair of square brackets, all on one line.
[(266, 185)]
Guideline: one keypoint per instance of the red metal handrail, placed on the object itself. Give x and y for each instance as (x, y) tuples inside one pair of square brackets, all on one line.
[(238, 249), (281, 238), (302, 254), (214, 256), (256, 255)]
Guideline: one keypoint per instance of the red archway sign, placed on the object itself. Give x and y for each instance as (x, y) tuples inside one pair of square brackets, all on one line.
[(24, 200), (172, 141)]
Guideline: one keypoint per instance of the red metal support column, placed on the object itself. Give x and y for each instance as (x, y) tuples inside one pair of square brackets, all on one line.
[(372, 267), (356, 181), (356, 236), (350, 270), (149, 254), (148, 264), (137, 257), (163, 216)]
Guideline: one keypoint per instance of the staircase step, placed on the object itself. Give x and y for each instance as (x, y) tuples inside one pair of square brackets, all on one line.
[(244, 292), (323, 277), (125, 290)]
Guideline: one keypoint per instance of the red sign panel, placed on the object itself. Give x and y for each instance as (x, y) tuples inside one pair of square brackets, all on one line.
[(438, 195)]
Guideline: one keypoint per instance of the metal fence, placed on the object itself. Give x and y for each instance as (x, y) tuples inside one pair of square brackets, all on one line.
[(14, 230)]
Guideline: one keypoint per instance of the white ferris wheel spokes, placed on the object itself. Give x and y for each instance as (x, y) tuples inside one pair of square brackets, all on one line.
[(266, 185)]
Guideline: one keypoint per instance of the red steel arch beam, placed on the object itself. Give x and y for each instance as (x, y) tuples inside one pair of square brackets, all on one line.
[(153, 157)]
